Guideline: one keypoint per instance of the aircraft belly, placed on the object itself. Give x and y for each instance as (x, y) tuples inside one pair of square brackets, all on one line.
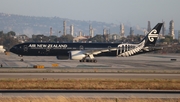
[(112, 53)]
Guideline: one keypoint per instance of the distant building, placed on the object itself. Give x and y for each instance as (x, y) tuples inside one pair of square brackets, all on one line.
[(131, 32), (179, 36), (91, 31), (39, 36), (161, 36), (64, 27), (50, 31), (171, 29), (122, 30), (22, 38), (80, 38), (114, 36), (163, 29), (90, 27), (104, 31), (149, 26), (105, 34), (80, 33), (72, 30), (145, 31)]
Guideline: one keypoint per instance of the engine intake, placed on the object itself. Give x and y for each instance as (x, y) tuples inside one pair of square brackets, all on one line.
[(76, 55)]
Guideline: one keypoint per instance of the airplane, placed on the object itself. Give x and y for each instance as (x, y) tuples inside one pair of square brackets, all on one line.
[(86, 52)]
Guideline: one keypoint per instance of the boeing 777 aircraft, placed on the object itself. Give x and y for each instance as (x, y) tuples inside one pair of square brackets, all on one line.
[(85, 52)]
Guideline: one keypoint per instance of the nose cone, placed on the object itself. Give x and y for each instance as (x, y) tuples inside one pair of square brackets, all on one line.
[(13, 50)]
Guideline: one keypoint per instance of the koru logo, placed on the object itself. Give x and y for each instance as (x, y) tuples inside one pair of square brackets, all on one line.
[(153, 34)]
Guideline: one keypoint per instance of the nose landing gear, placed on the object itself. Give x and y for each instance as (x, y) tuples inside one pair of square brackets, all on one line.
[(88, 60), (21, 58)]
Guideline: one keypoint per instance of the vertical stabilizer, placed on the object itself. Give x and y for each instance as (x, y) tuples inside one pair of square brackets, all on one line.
[(151, 38)]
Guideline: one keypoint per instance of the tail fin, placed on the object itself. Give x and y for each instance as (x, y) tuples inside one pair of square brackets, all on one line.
[(151, 37)]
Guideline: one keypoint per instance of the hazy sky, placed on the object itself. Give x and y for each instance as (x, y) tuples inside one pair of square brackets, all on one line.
[(132, 12)]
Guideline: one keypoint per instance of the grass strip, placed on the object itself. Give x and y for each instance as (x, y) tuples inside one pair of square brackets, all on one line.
[(158, 84)]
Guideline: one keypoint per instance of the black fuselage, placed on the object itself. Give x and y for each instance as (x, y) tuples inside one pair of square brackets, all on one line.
[(60, 49)]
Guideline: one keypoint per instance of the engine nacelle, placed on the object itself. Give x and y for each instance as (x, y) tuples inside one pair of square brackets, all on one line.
[(76, 55), (62, 57)]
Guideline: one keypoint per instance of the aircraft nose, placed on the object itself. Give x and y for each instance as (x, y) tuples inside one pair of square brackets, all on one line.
[(13, 50)]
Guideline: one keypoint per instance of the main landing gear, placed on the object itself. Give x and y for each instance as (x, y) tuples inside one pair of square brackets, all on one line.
[(88, 60)]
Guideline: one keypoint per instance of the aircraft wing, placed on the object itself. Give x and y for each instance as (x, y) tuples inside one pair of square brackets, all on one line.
[(98, 51), (152, 48), (92, 52)]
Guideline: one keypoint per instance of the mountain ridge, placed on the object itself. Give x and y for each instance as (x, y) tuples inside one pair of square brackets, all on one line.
[(30, 25)]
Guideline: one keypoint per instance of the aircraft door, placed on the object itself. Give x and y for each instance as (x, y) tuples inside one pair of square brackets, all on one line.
[(81, 47), (25, 48), (47, 49), (109, 48)]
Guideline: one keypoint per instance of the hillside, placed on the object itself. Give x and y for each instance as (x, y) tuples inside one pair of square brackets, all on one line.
[(41, 25)]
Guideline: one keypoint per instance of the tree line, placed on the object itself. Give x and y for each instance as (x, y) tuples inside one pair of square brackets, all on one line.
[(10, 39), (7, 39)]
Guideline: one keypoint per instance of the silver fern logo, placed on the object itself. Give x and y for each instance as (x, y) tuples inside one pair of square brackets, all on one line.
[(153, 34)]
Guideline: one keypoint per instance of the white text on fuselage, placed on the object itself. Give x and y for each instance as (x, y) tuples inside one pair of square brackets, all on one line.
[(49, 46)]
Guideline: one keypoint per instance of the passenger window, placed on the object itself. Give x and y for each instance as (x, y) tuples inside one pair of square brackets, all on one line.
[(81, 47)]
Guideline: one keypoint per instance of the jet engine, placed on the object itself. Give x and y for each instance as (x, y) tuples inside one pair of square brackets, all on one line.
[(76, 55)]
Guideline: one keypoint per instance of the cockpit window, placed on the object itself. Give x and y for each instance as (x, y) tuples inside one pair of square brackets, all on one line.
[(15, 47)]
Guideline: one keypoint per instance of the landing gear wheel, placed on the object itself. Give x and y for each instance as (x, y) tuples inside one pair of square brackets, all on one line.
[(81, 60), (21, 56), (94, 60), (88, 60)]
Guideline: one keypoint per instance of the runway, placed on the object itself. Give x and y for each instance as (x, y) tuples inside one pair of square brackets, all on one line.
[(92, 93), (143, 63), (87, 76), (145, 66)]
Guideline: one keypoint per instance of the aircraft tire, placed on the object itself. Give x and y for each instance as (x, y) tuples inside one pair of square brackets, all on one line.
[(95, 61), (88, 60)]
